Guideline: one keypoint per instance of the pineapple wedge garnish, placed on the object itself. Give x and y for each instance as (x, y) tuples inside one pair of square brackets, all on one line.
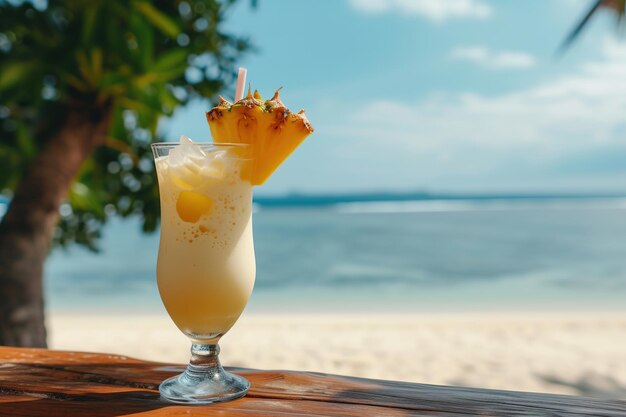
[(269, 126)]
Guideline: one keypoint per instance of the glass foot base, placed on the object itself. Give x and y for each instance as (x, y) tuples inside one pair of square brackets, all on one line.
[(187, 388), (204, 383)]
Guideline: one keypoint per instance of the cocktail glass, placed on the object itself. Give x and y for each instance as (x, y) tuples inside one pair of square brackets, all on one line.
[(206, 266)]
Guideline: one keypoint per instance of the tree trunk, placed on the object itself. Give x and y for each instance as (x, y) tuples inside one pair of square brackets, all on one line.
[(26, 229)]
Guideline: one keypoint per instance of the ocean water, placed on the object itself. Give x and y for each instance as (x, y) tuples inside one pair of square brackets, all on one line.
[(402, 256)]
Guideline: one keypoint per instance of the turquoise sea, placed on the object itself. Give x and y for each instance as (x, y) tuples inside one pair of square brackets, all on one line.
[(399, 255)]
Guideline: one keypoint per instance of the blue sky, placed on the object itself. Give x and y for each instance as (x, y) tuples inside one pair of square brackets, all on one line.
[(442, 95)]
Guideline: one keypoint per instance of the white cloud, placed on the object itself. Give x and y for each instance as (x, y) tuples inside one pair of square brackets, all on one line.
[(525, 133), (434, 10), (482, 56)]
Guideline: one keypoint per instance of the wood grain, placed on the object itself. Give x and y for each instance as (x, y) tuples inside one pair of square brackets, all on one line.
[(39, 382)]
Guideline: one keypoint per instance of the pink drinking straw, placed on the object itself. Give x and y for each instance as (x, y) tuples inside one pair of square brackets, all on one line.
[(241, 83)]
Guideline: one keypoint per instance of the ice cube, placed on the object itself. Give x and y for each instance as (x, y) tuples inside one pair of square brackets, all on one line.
[(215, 165), (192, 167), (186, 152), (191, 150)]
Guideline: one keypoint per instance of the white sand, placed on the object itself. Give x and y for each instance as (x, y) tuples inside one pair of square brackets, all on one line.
[(575, 354)]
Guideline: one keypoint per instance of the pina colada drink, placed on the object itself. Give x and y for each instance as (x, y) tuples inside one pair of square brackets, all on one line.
[(206, 267)]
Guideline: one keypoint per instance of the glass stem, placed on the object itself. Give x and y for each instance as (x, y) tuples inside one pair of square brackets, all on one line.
[(205, 359), (204, 381)]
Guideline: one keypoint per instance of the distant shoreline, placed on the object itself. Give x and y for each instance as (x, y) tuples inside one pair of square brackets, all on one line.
[(326, 200)]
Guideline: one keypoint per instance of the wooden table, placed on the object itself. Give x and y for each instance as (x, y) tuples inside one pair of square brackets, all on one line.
[(39, 382)]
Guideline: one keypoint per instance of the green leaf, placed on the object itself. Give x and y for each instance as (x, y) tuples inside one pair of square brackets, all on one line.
[(117, 128), (25, 142), (130, 104), (96, 64), (167, 98), (82, 197), (160, 20), (89, 23), (174, 59), (14, 73), (77, 83), (10, 161), (145, 39), (158, 77), (113, 84)]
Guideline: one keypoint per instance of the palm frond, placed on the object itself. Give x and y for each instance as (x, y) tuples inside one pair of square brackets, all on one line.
[(618, 6)]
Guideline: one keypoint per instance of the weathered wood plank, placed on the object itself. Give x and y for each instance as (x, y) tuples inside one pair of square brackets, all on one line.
[(36, 382)]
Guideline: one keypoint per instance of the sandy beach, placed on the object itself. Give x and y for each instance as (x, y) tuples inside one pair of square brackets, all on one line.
[(569, 354)]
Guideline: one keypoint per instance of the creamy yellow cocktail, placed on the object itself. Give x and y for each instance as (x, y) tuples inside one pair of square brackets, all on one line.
[(206, 266)]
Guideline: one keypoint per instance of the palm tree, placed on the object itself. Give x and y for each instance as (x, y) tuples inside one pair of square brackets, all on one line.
[(83, 85)]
